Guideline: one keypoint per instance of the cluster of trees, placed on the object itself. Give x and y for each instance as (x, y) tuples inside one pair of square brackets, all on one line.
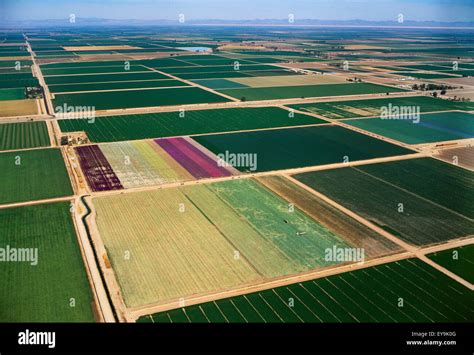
[(433, 87), (429, 87)]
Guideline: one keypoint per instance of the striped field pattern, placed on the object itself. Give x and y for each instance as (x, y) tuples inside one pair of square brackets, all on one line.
[(402, 291), (23, 135)]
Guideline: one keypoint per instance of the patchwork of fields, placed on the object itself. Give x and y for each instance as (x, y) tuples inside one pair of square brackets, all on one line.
[(368, 295), (108, 100), (202, 179), (459, 260), (126, 165), (429, 127), (170, 124), (54, 288), (422, 201), (250, 231), (290, 92), (288, 148), (373, 107)]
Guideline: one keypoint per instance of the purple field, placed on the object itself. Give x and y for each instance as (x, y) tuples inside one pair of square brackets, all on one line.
[(191, 158), (97, 170)]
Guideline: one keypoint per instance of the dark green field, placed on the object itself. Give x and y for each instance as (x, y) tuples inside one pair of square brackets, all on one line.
[(289, 92), (23, 135), (114, 85), (102, 78), (43, 292), (402, 291), (437, 181), (33, 175), (90, 70), (458, 260), (436, 198), (373, 107), (301, 147), (136, 98), (432, 127), (169, 124), (12, 94)]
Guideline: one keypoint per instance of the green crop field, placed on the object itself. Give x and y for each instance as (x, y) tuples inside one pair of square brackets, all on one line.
[(226, 234), (136, 98), (33, 175), (12, 94), (91, 70), (432, 127), (458, 260), (102, 78), (115, 86), (288, 92), (44, 292), (23, 135), (402, 291), (301, 147), (169, 124), (294, 241), (406, 198), (351, 231), (373, 107), (442, 183)]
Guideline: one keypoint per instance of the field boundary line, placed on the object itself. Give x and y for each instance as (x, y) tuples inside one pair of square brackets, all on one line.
[(140, 311), (27, 149), (406, 246), (415, 250), (194, 84), (37, 202), (229, 104), (118, 302), (378, 116), (446, 246), (97, 287), (264, 173), (413, 194), (445, 271), (338, 122)]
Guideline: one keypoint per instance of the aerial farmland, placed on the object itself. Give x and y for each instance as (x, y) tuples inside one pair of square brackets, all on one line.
[(236, 174)]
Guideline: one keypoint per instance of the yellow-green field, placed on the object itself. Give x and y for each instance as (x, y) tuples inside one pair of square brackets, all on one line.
[(174, 243), (290, 80)]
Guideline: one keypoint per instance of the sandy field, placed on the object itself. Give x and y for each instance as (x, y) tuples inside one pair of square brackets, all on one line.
[(18, 108)]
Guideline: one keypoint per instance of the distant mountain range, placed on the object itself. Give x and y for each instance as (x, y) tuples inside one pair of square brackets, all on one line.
[(98, 22)]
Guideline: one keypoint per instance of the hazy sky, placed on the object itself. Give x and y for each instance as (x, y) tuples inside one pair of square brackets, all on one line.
[(437, 10)]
